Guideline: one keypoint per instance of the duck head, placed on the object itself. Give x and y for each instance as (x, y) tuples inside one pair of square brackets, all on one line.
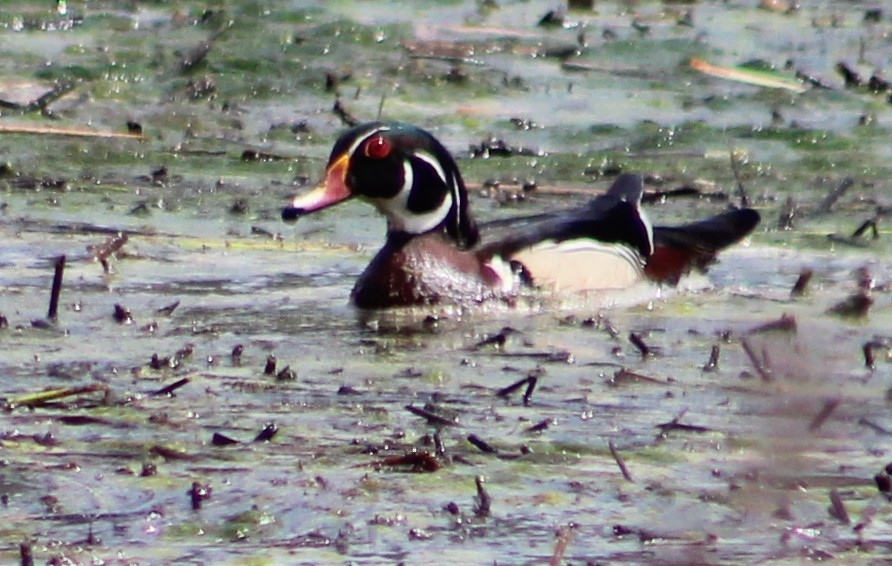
[(404, 172)]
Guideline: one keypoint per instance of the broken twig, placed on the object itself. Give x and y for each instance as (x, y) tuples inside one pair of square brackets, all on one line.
[(620, 462)]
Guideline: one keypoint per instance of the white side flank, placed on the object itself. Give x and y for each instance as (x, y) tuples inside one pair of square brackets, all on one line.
[(581, 265)]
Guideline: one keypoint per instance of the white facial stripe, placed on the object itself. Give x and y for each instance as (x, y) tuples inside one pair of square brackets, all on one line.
[(359, 142), (452, 183), (396, 208), (432, 161)]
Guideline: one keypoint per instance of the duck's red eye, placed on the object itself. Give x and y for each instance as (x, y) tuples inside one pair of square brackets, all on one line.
[(377, 148)]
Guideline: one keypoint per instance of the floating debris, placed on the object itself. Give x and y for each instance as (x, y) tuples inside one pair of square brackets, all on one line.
[(747, 75), (43, 397), (834, 195), (623, 376), (624, 470), (168, 309), (59, 270), (713, 363), (506, 391), (495, 147), (483, 501), (257, 155), (286, 374), (497, 340), (741, 188), (345, 115), (787, 214), (563, 536), (199, 493), (122, 315), (855, 306), (270, 367), (416, 461), (268, 433), (800, 288), (236, 354), (219, 439), (482, 445), (431, 417), (542, 425), (638, 342), (829, 406), (868, 349), (111, 246), (675, 424), (837, 508), (168, 391), (532, 380)]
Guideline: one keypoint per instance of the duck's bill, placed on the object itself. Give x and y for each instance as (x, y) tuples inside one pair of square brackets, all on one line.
[(330, 192)]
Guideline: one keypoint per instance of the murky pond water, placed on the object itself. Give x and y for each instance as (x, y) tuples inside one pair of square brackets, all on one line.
[(160, 445)]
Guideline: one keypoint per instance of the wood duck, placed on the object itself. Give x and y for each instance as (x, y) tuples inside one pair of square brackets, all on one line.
[(436, 253)]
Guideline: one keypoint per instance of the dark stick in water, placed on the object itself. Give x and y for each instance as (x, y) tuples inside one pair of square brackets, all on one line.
[(57, 289)]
